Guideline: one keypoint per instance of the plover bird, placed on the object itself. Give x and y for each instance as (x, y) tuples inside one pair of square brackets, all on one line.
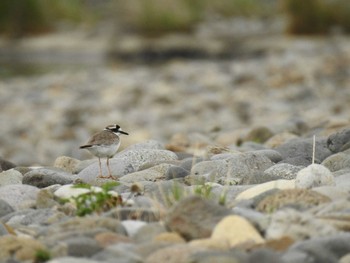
[(105, 144)]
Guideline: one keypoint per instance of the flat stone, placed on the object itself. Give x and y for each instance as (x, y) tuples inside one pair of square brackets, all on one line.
[(44, 177), (37, 217)]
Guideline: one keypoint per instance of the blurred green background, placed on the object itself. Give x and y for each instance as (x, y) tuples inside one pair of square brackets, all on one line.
[(46, 34), (20, 18)]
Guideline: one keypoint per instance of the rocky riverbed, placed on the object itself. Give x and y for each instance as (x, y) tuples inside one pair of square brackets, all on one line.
[(218, 166), (271, 201)]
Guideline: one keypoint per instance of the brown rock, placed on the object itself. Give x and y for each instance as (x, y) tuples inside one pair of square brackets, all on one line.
[(21, 248), (108, 238), (297, 197)]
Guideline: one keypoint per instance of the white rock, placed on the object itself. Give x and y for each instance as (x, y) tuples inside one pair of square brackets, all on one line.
[(132, 226), (313, 176)]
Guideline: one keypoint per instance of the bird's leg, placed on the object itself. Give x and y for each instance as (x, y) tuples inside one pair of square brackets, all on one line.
[(99, 164), (109, 170)]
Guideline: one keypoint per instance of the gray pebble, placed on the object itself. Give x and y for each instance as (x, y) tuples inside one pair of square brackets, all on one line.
[(18, 195), (81, 246), (188, 163), (299, 151), (6, 165), (44, 177), (176, 172), (5, 208), (235, 169), (282, 171), (322, 249), (339, 141), (337, 161)]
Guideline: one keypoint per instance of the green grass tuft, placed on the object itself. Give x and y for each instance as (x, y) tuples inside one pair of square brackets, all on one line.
[(42, 255)]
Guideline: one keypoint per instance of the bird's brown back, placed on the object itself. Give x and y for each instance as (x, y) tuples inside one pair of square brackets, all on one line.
[(101, 138)]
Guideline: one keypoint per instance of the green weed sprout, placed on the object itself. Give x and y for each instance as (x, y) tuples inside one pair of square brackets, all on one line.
[(96, 200)]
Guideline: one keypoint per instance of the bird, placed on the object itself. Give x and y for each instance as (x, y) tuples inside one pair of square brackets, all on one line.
[(105, 144)]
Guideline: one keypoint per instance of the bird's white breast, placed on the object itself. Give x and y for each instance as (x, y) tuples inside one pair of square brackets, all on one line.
[(104, 150)]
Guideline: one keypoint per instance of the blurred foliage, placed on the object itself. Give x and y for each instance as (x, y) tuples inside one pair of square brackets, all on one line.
[(160, 16), (154, 17), (317, 16), (242, 7), (26, 17)]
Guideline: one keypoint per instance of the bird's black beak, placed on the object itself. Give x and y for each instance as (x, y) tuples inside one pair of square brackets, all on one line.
[(123, 132)]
